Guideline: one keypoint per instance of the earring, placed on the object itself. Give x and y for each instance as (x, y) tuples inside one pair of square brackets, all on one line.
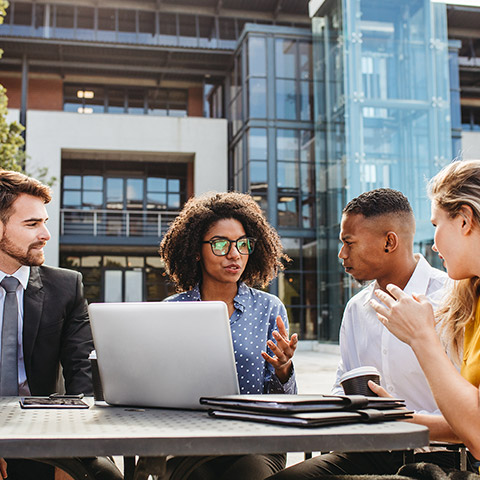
[(386, 250)]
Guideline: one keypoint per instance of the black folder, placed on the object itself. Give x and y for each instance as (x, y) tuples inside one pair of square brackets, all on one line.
[(278, 403), (314, 419)]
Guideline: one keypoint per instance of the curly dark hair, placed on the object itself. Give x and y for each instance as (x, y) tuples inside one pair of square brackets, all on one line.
[(377, 202), (181, 245)]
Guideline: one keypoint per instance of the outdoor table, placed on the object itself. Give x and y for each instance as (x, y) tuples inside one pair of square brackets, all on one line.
[(153, 434)]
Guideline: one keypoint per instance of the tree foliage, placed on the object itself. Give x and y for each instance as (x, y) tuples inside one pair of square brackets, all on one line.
[(12, 154)]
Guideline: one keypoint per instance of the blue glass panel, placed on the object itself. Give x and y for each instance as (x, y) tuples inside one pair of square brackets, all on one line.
[(287, 144), (72, 199), (287, 175), (257, 143), (92, 182), (155, 184), (173, 201), (286, 99), (257, 56), (173, 185), (72, 181), (92, 199), (134, 189), (114, 190), (157, 201), (258, 174), (257, 105), (285, 58)]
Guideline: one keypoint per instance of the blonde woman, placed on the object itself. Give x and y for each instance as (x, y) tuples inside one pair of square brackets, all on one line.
[(455, 197)]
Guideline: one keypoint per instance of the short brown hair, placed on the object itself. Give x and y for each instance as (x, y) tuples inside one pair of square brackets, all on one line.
[(181, 245), (13, 184)]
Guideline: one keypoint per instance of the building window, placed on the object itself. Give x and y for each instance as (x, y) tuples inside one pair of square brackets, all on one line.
[(295, 178), (471, 118), (121, 278), (149, 186), (88, 99)]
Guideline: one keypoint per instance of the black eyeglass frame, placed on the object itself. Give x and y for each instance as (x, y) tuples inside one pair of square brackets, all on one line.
[(211, 242)]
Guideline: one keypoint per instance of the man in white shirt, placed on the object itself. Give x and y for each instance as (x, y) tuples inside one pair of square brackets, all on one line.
[(377, 234)]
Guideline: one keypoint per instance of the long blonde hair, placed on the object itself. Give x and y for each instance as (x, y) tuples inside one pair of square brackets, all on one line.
[(456, 185)]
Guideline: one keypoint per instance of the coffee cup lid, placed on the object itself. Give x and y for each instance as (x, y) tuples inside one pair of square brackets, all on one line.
[(357, 372)]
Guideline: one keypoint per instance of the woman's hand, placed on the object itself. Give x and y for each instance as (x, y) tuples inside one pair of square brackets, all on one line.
[(409, 318), (283, 350)]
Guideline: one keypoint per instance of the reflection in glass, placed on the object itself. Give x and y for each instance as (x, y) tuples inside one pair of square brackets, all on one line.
[(257, 143), (92, 199), (286, 99), (287, 144), (72, 181), (287, 175), (257, 59), (155, 184), (257, 89), (287, 211), (285, 53), (114, 193), (258, 175), (135, 193), (173, 185), (92, 182), (72, 199), (157, 201)]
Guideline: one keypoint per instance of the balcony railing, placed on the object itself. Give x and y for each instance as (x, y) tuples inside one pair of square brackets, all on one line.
[(115, 223)]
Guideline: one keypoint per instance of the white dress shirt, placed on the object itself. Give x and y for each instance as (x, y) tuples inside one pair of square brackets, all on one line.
[(365, 341), (22, 275)]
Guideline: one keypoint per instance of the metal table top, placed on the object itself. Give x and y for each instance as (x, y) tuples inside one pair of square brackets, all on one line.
[(105, 430)]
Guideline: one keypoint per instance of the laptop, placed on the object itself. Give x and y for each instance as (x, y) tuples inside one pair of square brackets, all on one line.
[(163, 354)]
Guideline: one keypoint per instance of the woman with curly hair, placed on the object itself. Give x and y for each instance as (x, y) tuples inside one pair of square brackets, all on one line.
[(219, 248)]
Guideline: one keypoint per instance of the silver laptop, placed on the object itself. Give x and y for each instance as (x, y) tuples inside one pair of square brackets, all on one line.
[(163, 354)]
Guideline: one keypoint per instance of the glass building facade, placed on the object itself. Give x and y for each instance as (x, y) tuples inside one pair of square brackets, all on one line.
[(382, 119), (271, 138)]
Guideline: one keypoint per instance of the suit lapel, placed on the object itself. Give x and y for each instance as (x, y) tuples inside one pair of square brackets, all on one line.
[(33, 307)]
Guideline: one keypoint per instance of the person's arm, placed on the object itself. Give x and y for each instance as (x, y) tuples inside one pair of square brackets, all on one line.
[(77, 343), (440, 430), (411, 319)]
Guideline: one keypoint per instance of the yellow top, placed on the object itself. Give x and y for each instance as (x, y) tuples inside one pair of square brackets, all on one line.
[(471, 350)]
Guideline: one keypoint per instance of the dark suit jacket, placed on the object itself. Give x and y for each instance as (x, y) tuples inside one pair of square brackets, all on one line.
[(56, 329)]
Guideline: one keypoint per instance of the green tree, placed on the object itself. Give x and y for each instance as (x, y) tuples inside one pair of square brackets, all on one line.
[(12, 154)]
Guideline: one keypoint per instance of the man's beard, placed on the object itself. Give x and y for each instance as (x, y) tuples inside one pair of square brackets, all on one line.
[(31, 258)]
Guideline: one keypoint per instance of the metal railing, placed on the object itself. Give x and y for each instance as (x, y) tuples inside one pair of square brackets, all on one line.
[(115, 223)]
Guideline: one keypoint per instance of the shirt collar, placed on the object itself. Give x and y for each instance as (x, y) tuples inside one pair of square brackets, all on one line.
[(240, 300), (418, 282), (22, 275)]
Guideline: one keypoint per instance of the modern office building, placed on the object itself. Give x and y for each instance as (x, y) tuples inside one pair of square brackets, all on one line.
[(134, 106)]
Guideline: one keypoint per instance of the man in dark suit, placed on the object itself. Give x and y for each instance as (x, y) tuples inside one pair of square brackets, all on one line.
[(49, 312)]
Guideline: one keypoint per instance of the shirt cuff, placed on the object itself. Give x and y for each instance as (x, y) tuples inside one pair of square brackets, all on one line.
[(289, 387)]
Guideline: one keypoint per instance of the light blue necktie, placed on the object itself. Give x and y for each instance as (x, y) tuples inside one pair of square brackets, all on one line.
[(9, 357)]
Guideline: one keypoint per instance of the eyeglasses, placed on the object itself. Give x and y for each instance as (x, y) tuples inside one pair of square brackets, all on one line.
[(221, 246)]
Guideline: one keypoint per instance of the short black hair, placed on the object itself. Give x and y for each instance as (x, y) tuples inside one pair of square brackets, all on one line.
[(378, 202)]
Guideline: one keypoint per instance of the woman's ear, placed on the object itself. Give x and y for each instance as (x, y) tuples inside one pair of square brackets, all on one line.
[(467, 217), (391, 242)]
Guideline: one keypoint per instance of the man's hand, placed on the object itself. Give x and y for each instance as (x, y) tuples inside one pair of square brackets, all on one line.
[(283, 350)]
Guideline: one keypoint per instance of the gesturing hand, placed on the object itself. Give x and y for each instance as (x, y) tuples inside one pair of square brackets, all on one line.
[(408, 317), (283, 350)]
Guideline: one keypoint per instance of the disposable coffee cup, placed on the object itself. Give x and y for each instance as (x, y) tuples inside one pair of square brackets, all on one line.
[(97, 383), (355, 382)]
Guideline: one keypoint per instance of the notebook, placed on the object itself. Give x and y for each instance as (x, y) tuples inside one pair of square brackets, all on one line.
[(301, 403), (163, 354)]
